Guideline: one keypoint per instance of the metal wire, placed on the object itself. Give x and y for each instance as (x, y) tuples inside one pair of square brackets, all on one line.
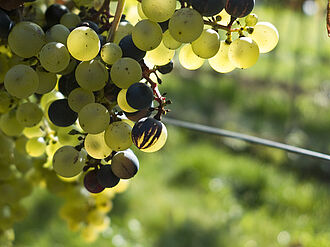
[(247, 138)]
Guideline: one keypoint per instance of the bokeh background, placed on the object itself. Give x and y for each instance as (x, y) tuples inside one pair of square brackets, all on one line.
[(201, 190)]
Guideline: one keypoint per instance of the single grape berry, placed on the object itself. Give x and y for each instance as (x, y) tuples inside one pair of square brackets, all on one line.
[(125, 164), (91, 182), (106, 178), (139, 96), (54, 13), (60, 113), (130, 50), (167, 68), (239, 8)]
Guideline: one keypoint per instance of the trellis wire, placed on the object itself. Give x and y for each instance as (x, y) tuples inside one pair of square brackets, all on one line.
[(244, 137)]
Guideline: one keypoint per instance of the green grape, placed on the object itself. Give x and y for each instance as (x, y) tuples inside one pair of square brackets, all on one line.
[(47, 81), (125, 71), (49, 97), (35, 131), (91, 75), (26, 39), (65, 139), (110, 53), (243, 52), (21, 81), (118, 136), (68, 162), (94, 118), (9, 124), (70, 20), (6, 148), (54, 57), (52, 146), (207, 45), (124, 29), (147, 35), (7, 172), (70, 68), (6, 102), (57, 33), (36, 146), (160, 56), (83, 43), (20, 143), (186, 25), (122, 102), (140, 11), (23, 162), (158, 10), (29, 114), (266, 36), (220, 62), (80, 97), (4, 66), (169, 42), (96, 147), (188, 59), (251, 20)]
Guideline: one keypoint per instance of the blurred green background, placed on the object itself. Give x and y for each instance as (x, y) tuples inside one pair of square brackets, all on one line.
[(202, 190)]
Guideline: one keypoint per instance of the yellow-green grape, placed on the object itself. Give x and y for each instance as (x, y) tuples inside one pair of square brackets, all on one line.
[(21, 81), (29, 114), (243, 52), (83, 43), (52, 146), (170, 42), (122, 102), (36, 146), (118, 136), (186, 25), (96, 147), (47, 81), (110, 53), (94, 118), (207, 45), (35, 131), (124, 29), (80, 97), (251, 20), (70, 20), (68, 162), (147, 35), (188, 59), (9, 124), (158, 10), (20, 143), (57, 33), (47, 98), (54, 57), (125, 71), (140, 11), (64, 138), (26, 39), (92, 75), (6, 102), (220, 62), (266, 36), (160, 56)]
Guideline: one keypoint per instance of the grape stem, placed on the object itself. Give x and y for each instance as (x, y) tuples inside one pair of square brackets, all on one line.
[(227, 28), (115, 23)]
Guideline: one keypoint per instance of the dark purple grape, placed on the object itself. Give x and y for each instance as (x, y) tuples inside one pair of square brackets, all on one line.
[(91, 183), (139, 96), (5, 25), (167, 68), (106, 178), (130, 50), (125, 164), (54, 13), (136, 116), (60, 113), (239, 8), (208, 7), (67, 83)]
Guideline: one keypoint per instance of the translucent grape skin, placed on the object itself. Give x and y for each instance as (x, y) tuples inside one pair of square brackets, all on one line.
[(207, 45), (139, 96), (47, 81), (94, 118), (122, 102), (160, 56), (125, 164), (54, 57), (29, 114), (57, 33), (106, 178), (91, 182), (158, 10), (188, 59), (118, 136), (96, 147), (220, 62), (60, 113), (147, 35), (80, 97), (266, 36), (110, 53)]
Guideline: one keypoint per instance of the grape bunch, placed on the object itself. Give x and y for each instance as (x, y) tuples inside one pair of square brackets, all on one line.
[(79, 86)]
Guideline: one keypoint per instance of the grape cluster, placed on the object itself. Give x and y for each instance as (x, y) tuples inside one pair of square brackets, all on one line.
[(79, 87)]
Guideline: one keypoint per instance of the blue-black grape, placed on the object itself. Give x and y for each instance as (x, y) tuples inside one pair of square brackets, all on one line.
[(5, 24), (54, 13), (239, 8), (60, 113), (130, 50), (106, 178), (139, 96), (208, 7), (91, 182), (90, 24), (167, 68), (67, 83)]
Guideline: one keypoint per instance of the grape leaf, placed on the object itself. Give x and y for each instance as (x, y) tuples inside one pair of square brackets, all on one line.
[(328, 18), (10, 5)]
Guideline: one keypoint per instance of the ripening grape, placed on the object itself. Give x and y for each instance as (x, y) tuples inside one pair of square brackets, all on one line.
[(57, 33), (9, 124), (29, 114), (94, 118), (106, 178), (83, 43), (147, 35), (36, 146), (220, 62), (158, 10), (251, 20), (110, 53), (207, 45), (26, 39), (96, 147), (243, 52), (188, 59), (125, 164), (169, 42), (266, 36), (186, 25), (54, 57), (160, 56), (35, 131), (125, 72), (80, 97), (118, 136), (91, 75), (21, 81), (122, 102), (70, 20), (91, 182), (47, 81), (68, 162)]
